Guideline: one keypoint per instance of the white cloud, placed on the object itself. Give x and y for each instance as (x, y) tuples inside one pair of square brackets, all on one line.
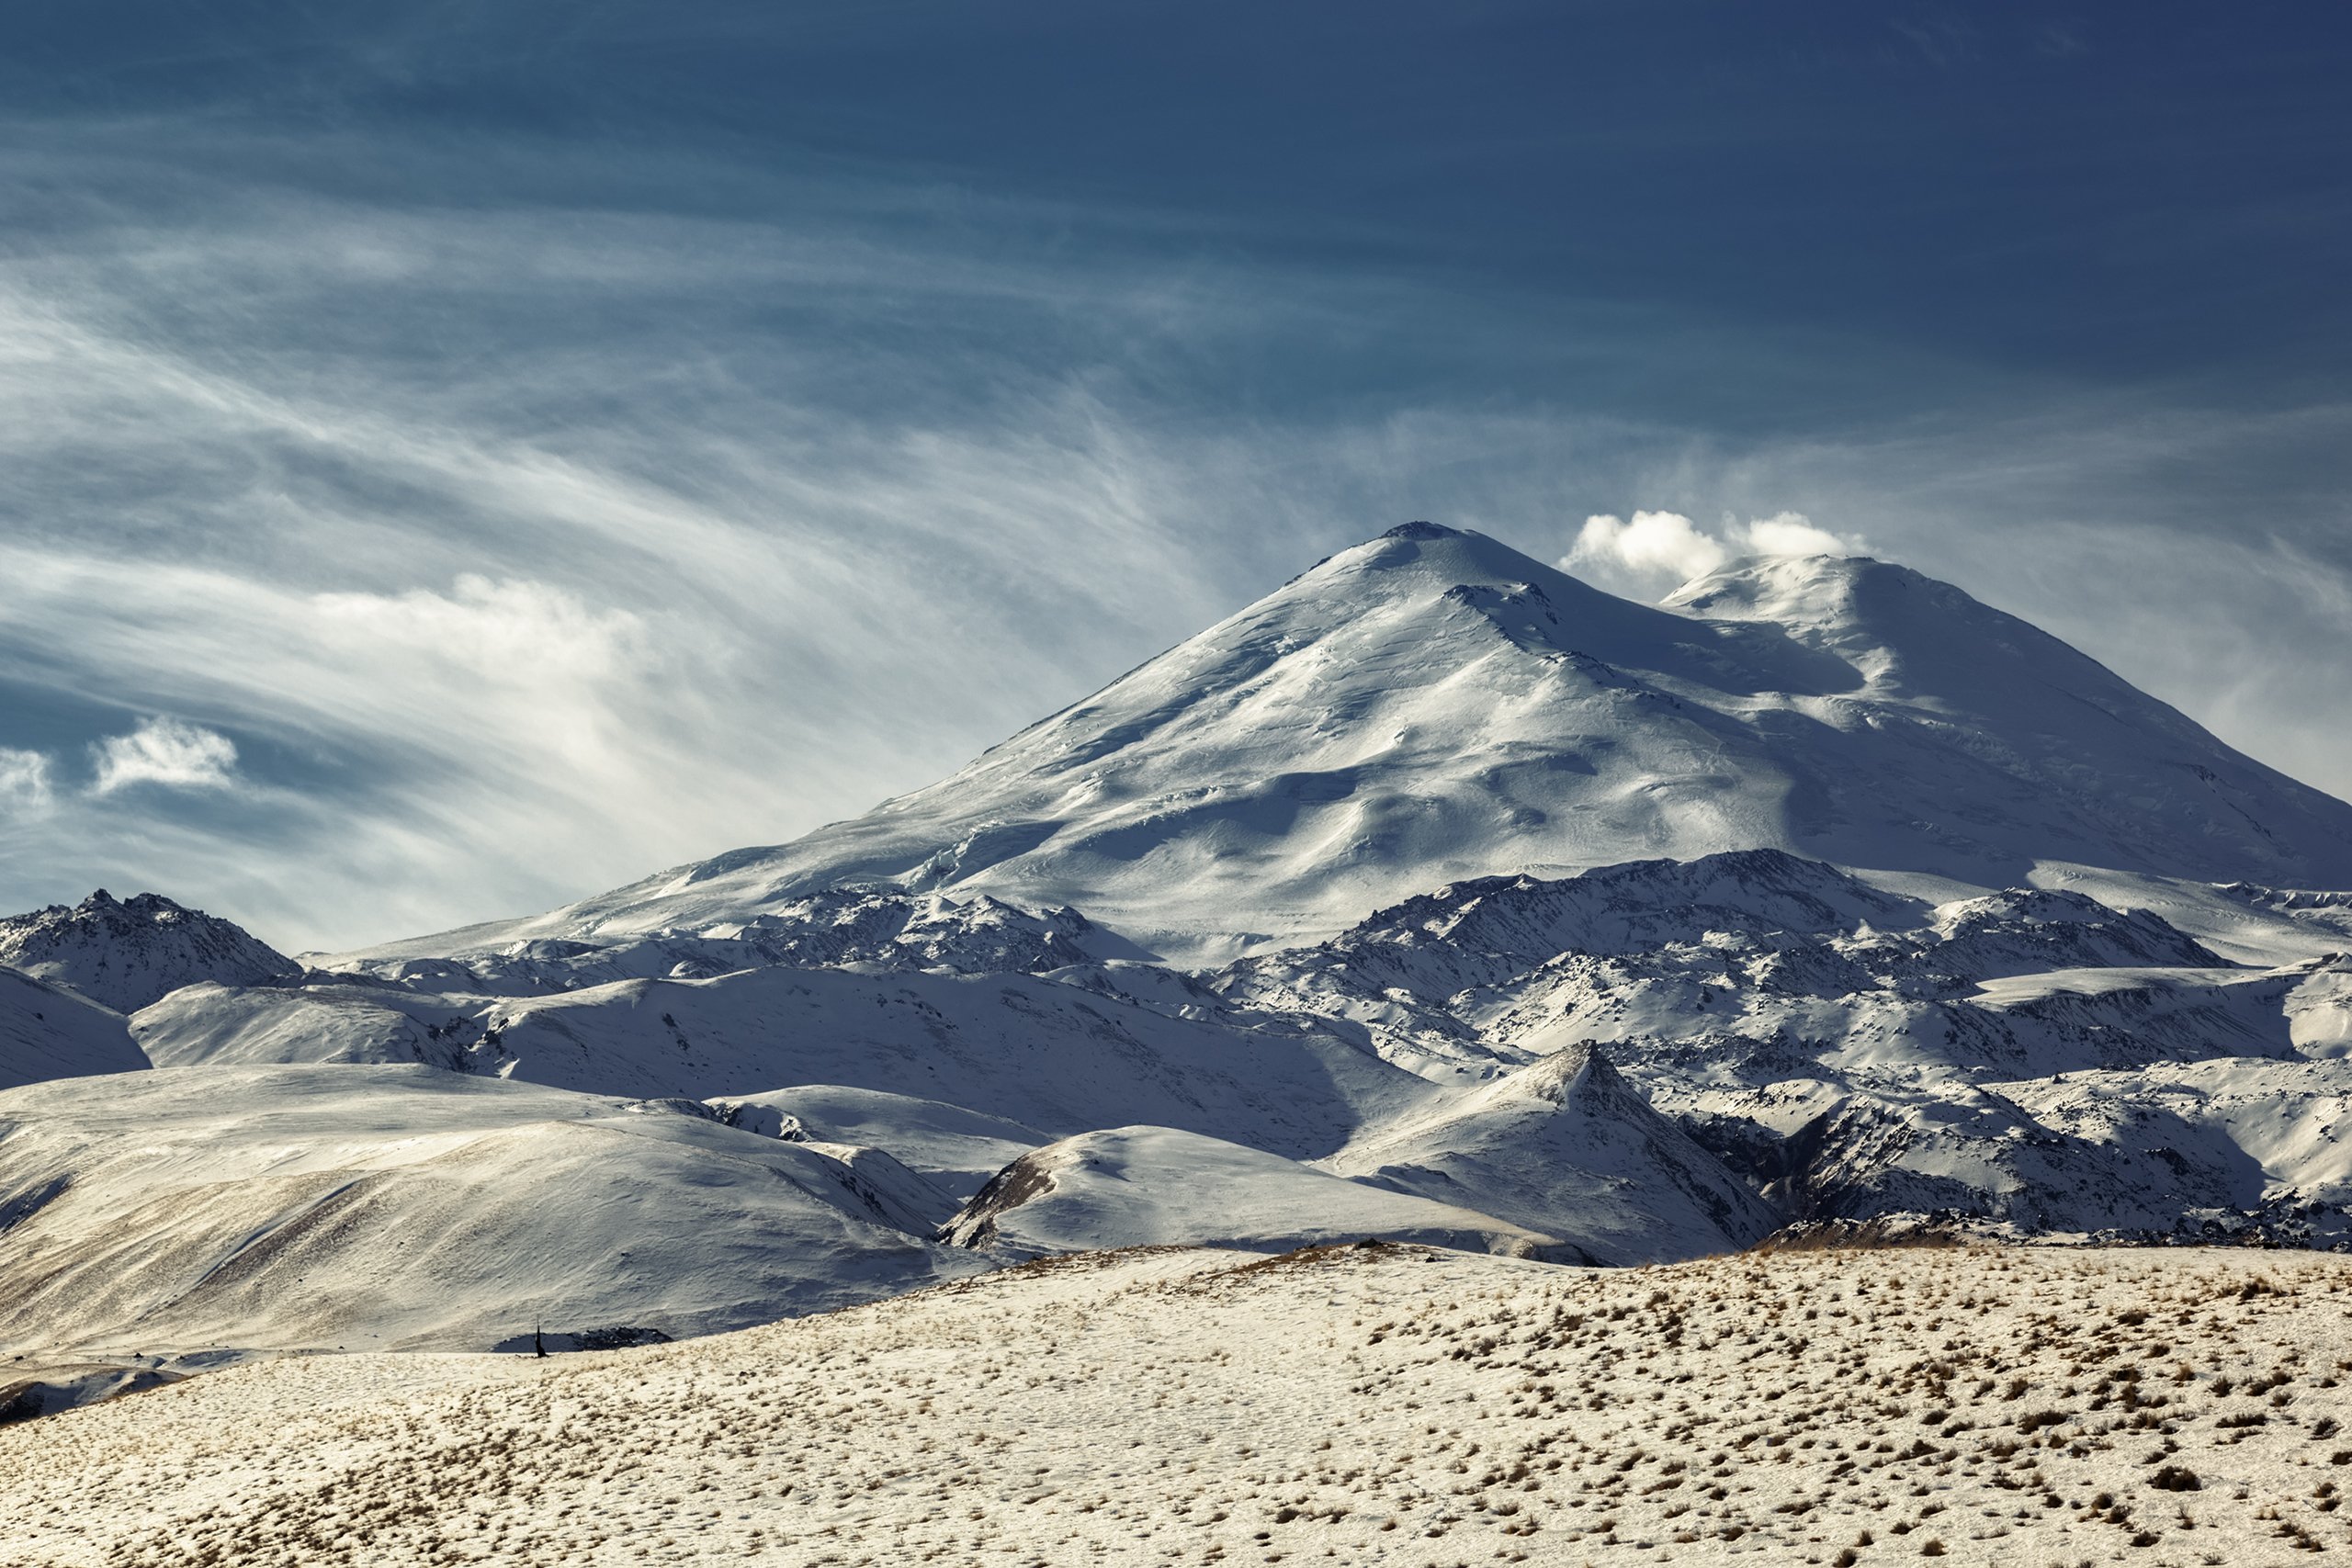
[(1789, 534), (1661, 550), (1654, 544), (165, 751), (24, 781)]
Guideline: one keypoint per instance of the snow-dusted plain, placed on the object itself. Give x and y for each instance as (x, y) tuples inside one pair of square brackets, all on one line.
[(1397, 1405)]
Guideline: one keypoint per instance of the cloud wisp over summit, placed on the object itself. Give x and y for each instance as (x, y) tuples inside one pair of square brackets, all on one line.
[(1657, 551)]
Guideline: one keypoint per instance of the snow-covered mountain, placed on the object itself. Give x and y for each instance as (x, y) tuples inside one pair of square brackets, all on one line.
[(1432, 705), (1436, 897), (1158, 1187), (1567, 1142), (124, 954)]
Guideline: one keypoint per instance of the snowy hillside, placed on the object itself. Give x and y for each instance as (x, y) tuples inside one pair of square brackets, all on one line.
[(186, 1216), (127, 954), (976, 935), (1053, 1057), (1003, 1064), (1432, 705), (1568, 1143), (325, 1020), (957, 1151)]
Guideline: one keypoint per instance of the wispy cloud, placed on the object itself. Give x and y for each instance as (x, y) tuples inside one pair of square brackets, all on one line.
[(25, 788), (2059, 40), (554, 616), (167, 751), (1941, 39)]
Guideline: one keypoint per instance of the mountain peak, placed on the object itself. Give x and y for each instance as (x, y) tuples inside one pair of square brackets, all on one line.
[(1422, 530), (1435, 583), (1428, 547), (1804, 590), (1906, 633), (125, 954), (139, 905)]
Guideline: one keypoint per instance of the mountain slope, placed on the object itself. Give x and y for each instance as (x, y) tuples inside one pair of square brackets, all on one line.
[(207, 1024), (2020, 749), (1007, 1062), (955, 1150), (1013, 1046), (1432, 705), (47, 1031)]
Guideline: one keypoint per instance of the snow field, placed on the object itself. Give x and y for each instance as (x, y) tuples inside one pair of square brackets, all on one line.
[(1352, 1404)]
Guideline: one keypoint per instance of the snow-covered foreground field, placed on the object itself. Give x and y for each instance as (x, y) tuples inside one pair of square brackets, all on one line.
[(1373, 1404)]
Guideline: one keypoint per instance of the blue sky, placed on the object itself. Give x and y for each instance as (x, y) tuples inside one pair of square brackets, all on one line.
[(454, 457)]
